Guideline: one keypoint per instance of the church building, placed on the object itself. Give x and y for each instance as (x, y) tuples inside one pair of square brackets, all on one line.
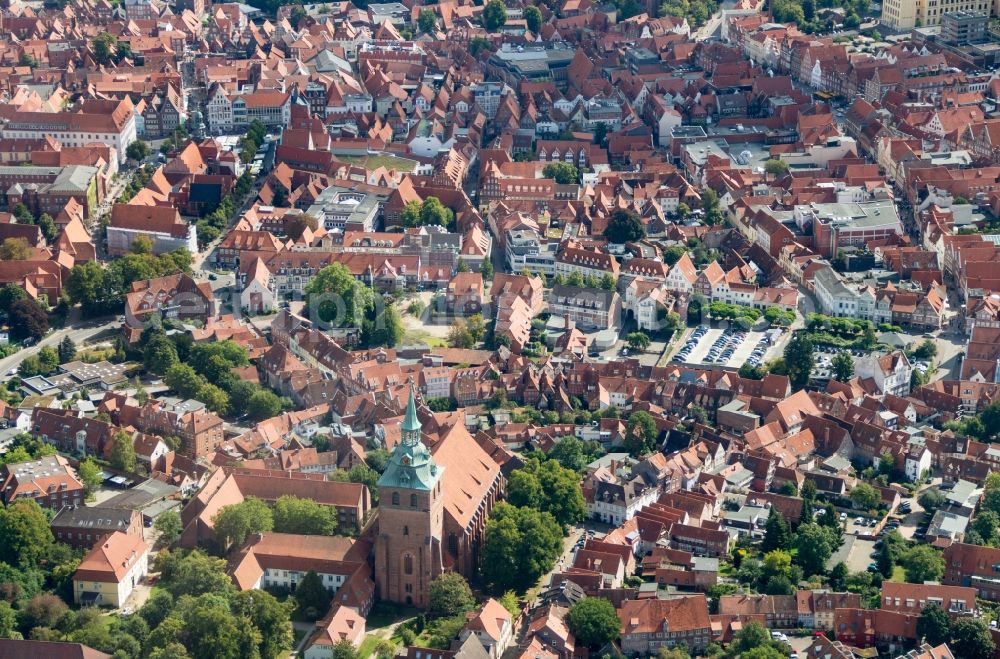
[(434, 500)]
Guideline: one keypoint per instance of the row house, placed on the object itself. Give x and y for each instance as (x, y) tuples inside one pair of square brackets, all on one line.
[(650, 624), (225, 113), (586, 307), (573, 257), (913, 598)]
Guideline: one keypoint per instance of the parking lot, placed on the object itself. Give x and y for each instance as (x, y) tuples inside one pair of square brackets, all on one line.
[(726, 347)]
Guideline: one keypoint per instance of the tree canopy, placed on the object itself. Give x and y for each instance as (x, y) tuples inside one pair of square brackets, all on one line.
[(521, 544), (549, 487), (292, 514), (624, 226), (594, 621), (450, 595)]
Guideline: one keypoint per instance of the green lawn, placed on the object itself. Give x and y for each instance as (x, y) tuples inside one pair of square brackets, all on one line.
[(374, 162), (367, 646), (421, 336), (898, 574)]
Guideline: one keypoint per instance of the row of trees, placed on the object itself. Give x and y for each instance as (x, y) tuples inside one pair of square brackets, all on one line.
[(101, 290), (290, 514), (984, 426), (204, 371), (214, 223), (430, 212), (251, 142), (605, 282)]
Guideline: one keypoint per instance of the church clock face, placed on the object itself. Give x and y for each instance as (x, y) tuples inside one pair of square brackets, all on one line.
[(406, 460)]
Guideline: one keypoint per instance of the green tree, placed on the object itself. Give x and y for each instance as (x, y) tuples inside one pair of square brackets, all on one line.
[(25, 536), (594, 621), (67, 350), (486, 270), (927, 350), (236, 522), (14, 249), (865, 497), (434, 213), (304, 516), (563, 173), (753, 635), (624, 226), (776, 167), (600, 133), (270, 619), (638, 340), (549, 487), (169, 525), (311, 598), (533, 17), (123, 452), (838, 577), (814, 546), (931, 499), (799, 360), (344, 650), (450, 595), (137, 151), (193, 574), (971, 639), (494, 15), (377, 459), (160, 354), (986, 524), (710, 204), (10, 294), (104, 46), (888, 554), (386, 329), (640, 434), (569, 452), (173, 650), (520, 545), (922, 563), (459, 335), (843, 366), (211, 631), (427, 21), (183, 379), (777, 534), (90, 475), (263, 404), (48, 359), (338, 297), (934, 625)]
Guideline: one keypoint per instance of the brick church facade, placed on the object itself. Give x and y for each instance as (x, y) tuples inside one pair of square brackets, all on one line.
[(433, 506)]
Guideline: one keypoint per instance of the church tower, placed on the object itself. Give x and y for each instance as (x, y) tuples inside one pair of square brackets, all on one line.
[(408, 553)]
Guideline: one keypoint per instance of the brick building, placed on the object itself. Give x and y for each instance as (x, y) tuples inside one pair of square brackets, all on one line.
[(433, 507)]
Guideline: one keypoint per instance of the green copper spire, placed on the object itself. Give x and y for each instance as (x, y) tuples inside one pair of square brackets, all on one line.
[(410, 466), (411, 424)]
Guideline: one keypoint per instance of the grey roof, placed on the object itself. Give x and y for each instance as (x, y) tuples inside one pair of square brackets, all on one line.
[(74, 179), (596, 298), (95, 517)]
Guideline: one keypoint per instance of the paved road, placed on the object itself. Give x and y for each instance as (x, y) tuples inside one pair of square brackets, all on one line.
[(79, 333)]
